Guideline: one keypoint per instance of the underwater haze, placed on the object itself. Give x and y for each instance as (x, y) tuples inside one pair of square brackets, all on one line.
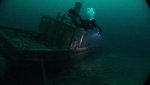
[(125, 25)]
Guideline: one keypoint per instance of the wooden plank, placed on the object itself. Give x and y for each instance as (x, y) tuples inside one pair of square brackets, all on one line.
[(45, 51), (59, 34)]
